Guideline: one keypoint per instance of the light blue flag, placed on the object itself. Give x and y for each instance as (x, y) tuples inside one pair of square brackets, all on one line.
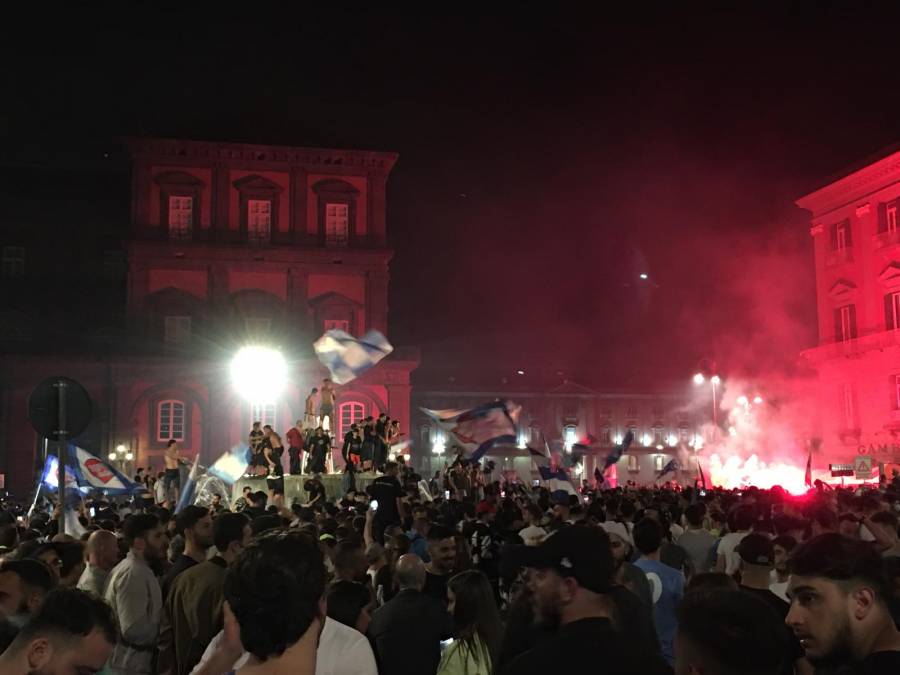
[(347, 357)]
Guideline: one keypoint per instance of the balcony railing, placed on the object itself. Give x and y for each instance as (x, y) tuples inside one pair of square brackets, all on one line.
[(879, 340), (839, 256), (886, 239)]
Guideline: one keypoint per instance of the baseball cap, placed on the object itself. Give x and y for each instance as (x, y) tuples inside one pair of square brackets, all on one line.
[(756, 549), (579, 551)]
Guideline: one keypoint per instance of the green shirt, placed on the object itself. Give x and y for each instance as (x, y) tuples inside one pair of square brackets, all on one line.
[(457, 659)]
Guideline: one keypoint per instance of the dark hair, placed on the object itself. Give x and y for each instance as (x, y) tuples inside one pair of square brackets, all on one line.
[(265, 523), (475, 614), (786, 541), (9, 535), (694, 514), (69, 612), (439, 532), (189, 517), (825, 517), (733, 632), (35, 574), (711, 581), (137, 527), (279, 574), (390, 466), (171, 442), (842, 559), (71, 553), (345, 554), (229, 527), (648, 536), (744, 517), (345, 601)]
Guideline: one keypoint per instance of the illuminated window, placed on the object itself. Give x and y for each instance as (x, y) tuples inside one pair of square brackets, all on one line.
[(890, 218), (892, 310), (181, 217), (684, 434), (349, 412), (337, 224), (659, 461), (13, 262), (263, 412), (845, 323), (259, 220), (633, 465), (170, 420), (659, 435), (337, 324), (841, 238), (177, 329), (606, 435)]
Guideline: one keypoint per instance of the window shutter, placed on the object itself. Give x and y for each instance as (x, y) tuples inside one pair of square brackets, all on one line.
[(889, 312), (834, 240), (848, 233), (853, 321), (882, 218), (838, 332)]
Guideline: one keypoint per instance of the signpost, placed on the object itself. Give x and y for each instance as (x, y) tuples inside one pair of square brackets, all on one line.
[(59, 408), (862, 465)]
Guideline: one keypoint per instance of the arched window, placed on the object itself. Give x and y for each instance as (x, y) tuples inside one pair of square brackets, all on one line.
[(170, 420), (263, 412), (349, 412)]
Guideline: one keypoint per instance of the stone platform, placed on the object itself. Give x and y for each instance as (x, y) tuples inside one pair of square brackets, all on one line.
[(293, 486)]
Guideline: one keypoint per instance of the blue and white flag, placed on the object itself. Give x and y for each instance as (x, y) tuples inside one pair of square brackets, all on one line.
[(186, 497), (668, 468), (347, 357), (86, 472), (481, 428), (232, 465), (616, 454), (557, 480)]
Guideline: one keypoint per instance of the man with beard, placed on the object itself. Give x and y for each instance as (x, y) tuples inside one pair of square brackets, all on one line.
[(839, 606), (133, 594), (194, 523), (73, 632), (23, 585), (570, 580), (626, 574), (442, 551)]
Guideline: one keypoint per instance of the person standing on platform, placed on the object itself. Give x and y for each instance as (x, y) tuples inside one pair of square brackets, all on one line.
[(255, 439), (348, 440), (272, 448), (381, 444), (388, 492), (326, 404), (173, 476), (295, 448), (310, 421), (319, 446)]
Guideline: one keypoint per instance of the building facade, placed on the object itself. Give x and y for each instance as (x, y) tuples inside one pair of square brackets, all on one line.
[(228, 245), (566, 414), (854, 226)]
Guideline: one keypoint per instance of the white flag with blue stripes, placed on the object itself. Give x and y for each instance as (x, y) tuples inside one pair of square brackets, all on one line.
[(347, 357)]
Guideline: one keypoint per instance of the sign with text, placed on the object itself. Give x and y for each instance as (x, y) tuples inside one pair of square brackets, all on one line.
[(862, 465), (841, 470)]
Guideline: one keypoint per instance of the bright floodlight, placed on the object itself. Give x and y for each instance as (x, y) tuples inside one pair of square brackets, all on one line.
[(121, 448), (644, 276), (129, 456), (259, 374), (672, 440), (743, 400), (699, 379), (112, 457), (757, 400), (715, 379)]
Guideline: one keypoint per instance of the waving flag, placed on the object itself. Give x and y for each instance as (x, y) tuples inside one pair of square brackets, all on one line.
[(86, 472), (619, 450), (808, 476), (557, 480), (668, 468), (186, 497), (347, 357), (481, 428), (232, 465)]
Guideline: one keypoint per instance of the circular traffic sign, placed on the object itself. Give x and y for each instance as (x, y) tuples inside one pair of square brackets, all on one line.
[(43, 408)]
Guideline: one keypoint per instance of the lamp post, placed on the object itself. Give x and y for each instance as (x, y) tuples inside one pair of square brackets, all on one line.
[(714, 381), (122, 456)]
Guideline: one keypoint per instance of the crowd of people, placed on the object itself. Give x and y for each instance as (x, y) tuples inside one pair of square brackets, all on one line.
[(468, 576)]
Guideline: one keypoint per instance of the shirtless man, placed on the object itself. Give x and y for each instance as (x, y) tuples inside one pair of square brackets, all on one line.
[(310, 421), (326, 405), (173, 475)]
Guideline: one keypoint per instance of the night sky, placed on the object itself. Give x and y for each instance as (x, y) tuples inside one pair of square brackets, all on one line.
[(546, 160)]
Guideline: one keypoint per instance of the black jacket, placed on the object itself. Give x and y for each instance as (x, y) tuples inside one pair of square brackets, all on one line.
[(406, 634)]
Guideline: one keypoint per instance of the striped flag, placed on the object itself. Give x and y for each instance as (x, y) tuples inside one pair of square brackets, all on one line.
[(702, 477), (479, 429), (347, 357), (619, 450), (668, 468), (186, 498)]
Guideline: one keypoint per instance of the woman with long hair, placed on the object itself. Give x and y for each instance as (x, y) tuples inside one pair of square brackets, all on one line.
[(476, 633)]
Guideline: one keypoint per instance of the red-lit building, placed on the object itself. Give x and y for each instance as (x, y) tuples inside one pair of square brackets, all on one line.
[(228, 244), (856, 236)]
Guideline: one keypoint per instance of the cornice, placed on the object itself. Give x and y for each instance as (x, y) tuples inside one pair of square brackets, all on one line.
[(852, 187)]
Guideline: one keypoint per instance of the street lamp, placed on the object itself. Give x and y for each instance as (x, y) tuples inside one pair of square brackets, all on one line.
[(714, 382)]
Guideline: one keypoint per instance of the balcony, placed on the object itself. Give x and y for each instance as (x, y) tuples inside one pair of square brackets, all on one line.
[(850, 348), (886, 240), (839, 256)]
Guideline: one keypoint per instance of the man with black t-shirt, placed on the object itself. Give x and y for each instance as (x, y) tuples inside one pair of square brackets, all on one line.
[(319, 445), (387, 491), (571, 582), (839, 606), (442, 554)]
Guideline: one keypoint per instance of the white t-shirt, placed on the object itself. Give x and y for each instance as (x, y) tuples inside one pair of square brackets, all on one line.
[(727, 547), (533, 535), (779, 588), (342, 651), (676, 530)]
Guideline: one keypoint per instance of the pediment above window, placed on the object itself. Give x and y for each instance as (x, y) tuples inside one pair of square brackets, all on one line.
[(256, 184), (332, 300), (842, 290), (334, 186), (890, 275), (178, 179)]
